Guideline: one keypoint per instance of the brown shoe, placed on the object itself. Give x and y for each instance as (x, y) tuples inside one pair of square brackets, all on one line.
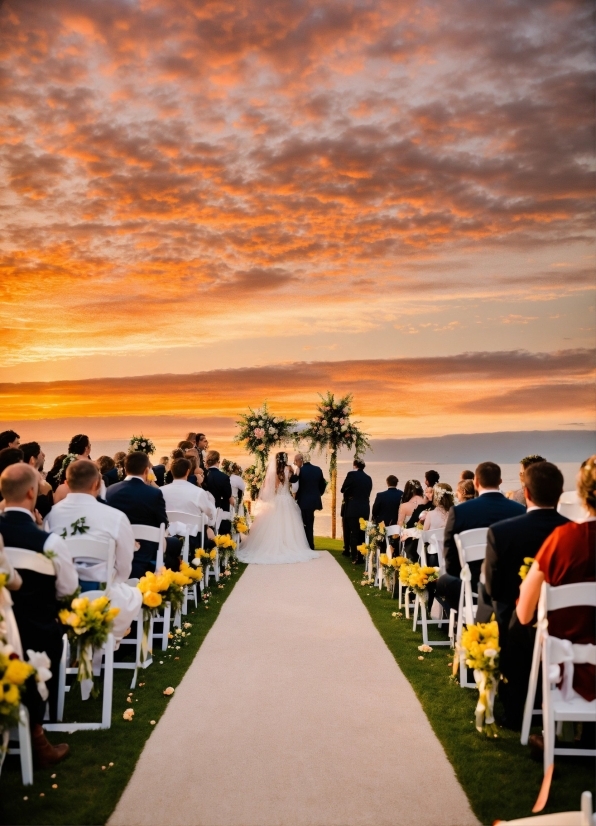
[(44, 753), (536, 743)]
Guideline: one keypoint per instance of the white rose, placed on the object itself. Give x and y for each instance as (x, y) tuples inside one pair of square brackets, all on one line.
[(490, 652), (272, 430), (324, 422), (260, 421)]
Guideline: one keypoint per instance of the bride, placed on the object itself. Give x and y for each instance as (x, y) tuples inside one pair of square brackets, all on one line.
[(277, 533)]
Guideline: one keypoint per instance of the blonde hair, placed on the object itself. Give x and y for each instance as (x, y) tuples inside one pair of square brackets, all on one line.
[(586, 484), (443, 496)]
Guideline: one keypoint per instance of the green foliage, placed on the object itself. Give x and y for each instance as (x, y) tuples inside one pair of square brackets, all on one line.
[(331, 428), (259, 431)]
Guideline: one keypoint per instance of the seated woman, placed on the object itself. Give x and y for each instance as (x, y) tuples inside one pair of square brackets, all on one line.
[(465, 491), (79, 447), (437, 518), (51, 475), (120, 459), (109, 471), (177, 453), (413, 502), (193, 457), (568, 555)]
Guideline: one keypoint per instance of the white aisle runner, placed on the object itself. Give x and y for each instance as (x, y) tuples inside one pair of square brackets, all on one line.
[(293, 713)]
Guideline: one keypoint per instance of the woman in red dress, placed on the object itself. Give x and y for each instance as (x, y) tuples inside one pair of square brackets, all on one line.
[(568, 555)]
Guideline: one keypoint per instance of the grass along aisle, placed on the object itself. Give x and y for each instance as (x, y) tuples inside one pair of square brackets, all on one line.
[(90, 781), (499, 777)]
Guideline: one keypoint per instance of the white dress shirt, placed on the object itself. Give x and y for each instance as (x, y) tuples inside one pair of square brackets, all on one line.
[(181, 495), (67, 580), (103, 521)]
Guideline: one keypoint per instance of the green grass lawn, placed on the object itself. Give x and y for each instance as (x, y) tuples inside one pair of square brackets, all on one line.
[(88, 793), (499, 776)]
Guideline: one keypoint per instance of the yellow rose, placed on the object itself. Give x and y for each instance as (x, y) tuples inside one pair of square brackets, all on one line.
[(363, 524), (151, 599), (99, 604), (11, 696), (17, 672), (112, 613), (80, 604)]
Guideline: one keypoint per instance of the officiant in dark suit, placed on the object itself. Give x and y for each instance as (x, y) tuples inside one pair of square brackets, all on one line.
[(311, 486), (356, 491), (218, 484)]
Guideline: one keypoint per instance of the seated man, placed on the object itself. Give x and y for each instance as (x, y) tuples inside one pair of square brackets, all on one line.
[(218, 483), (36, 601), (489, 507), (509, 542), (181, 495), (386, 506), (143, 504), (80, 513)]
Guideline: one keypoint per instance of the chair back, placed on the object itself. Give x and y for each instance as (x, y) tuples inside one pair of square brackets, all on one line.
[(434, 539), (392, 530), (149, 533), (554, 597), (571, 506), (89, 549), (471, 545), (220, 516), (30, 561)]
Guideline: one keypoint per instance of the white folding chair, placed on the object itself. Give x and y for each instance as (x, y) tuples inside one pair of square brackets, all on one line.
[(22, 734), (391, 530), (471, 547), (585, 817), (194, 525), (571, 506), (150, 533), (559, 705), (434, 539), (220, 516)]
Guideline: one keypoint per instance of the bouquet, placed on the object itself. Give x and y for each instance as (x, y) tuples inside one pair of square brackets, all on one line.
[(525, 568), (419, 578), (240, 525), (158, 588), (259, 431), (479, 647), (13, 675), (254, 476), (390, 566), (332, 429), (195, 574), (141, 444), (209, 556), (88, 623)]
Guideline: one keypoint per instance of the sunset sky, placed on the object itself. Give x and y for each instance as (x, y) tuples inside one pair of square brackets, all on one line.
[(288, 197)]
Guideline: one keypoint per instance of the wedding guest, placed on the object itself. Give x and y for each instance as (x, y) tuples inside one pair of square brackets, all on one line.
[(80, 446), (120, 459), (509, 542), (51, 475), (356, 491), (185, 444), (465, 475), (109, 471), (413, 503), (218, 483), (10, 456), (9, 438), (143, 504), (35, 603), (443, 502), (526, 462), (180, 495), (386, 506), (202, 444), (237, 482), (431, 477), (160, 470), (568, 555), (192, 456), (490, 507), (192, 437), (175, 454), (465, 490), (33, 455), (99, 521)]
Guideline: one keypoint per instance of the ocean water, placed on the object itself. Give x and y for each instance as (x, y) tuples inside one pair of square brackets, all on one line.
[(378, 470)]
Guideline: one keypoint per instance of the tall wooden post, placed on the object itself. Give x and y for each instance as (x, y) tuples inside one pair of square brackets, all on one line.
[(333, 472)]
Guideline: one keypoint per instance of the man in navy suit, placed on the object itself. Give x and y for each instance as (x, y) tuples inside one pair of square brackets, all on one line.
[(356, 489), (218, 484), (311, 486), (509, 542), (144, 505), (489, 507), (386, 504)]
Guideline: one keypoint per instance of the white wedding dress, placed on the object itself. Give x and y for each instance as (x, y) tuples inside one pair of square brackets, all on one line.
[(277, 533)]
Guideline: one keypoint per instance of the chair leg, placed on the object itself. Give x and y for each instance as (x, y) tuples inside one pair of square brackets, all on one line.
[(26, 752), (423, 619), (416, 607), (62, 679), (531, 695), (167, 615), (108, 682)]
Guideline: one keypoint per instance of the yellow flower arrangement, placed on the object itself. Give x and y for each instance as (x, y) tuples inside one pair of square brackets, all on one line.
[(417, 577), (240, 525), (363, 524), (13, 675), (208, 555), (88, 623), (225, 542), (166, 584), (193, 573), (364, 549), (525, 568), (480, 649)]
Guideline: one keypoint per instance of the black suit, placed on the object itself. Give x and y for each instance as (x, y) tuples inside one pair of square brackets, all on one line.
[(356, 489), (311, 487), (144, 505), (219, 486), (160, 475), (385, 509), (477, 513), (509, 542)]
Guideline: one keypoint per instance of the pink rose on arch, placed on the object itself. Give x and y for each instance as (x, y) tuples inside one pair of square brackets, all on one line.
[(259, 432)]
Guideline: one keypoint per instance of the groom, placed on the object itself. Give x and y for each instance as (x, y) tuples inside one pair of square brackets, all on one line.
[(310, 489)]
